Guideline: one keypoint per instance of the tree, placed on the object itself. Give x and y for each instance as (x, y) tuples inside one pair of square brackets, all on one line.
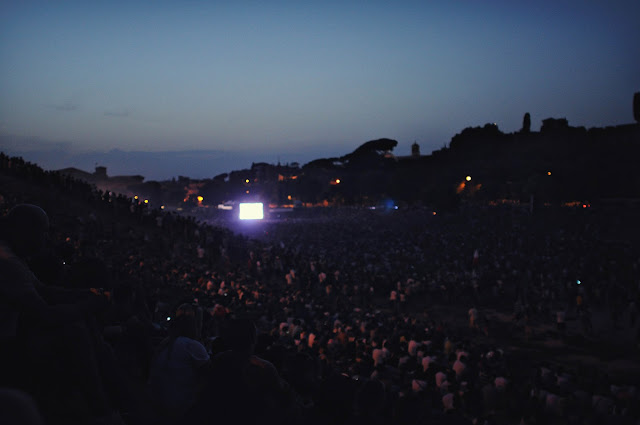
[(526, 123), (379, 147), (328, 163), (221, 178)]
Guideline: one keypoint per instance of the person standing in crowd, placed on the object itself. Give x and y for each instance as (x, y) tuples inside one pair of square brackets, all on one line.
[(560, 321), (240, 386), (473, 317), (174, 380)]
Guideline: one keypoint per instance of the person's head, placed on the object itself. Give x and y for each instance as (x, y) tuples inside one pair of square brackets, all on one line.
[(184, 322), (240, 335), (25, 228), (370, 397)]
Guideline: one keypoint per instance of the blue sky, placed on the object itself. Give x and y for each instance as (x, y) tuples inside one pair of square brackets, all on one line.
[(305, 79)]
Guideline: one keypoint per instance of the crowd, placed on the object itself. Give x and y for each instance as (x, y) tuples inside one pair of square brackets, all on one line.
[(133, 315)]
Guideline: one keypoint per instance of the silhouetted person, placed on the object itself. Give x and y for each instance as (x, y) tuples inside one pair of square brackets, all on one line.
[(17, 407), (31, 326), (174, 377), (369, 403), (241, 387)]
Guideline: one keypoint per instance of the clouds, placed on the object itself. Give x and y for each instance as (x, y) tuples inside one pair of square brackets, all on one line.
[(273, 76), (117, 114), (67, 106), (17, 145), (70, 106)]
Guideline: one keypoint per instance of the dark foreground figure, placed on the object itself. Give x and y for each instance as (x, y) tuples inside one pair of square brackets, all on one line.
[(241, 387), (47, 345)]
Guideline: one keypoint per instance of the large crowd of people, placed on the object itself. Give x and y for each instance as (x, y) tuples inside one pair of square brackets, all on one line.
[(128, 314)]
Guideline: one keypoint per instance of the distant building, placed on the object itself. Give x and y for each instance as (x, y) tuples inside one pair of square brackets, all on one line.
[(265, 173), (119, 184), (415, 153), (101, 172), (415, 149), (78, 174), (554, 124)]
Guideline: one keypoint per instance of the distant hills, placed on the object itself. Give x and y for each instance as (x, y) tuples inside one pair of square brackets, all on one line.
[(556, 164), (152, 165)]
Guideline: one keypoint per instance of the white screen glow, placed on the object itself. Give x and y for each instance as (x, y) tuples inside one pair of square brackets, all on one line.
[(251, 211)]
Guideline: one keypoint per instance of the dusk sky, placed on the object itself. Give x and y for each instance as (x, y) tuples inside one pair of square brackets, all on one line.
[(300, 80)]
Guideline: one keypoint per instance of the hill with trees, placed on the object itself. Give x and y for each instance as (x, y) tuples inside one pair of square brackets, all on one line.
[(559, 163)]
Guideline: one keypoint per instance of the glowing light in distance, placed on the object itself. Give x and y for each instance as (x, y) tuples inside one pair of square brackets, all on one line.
[(548, 173), (200, 199), (246, 181), (251, 211), (146, 201), (135, 197), (468, 178), (337, 181)]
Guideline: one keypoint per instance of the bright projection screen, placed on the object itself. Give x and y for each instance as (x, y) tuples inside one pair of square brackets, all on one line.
[(251, 211)]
